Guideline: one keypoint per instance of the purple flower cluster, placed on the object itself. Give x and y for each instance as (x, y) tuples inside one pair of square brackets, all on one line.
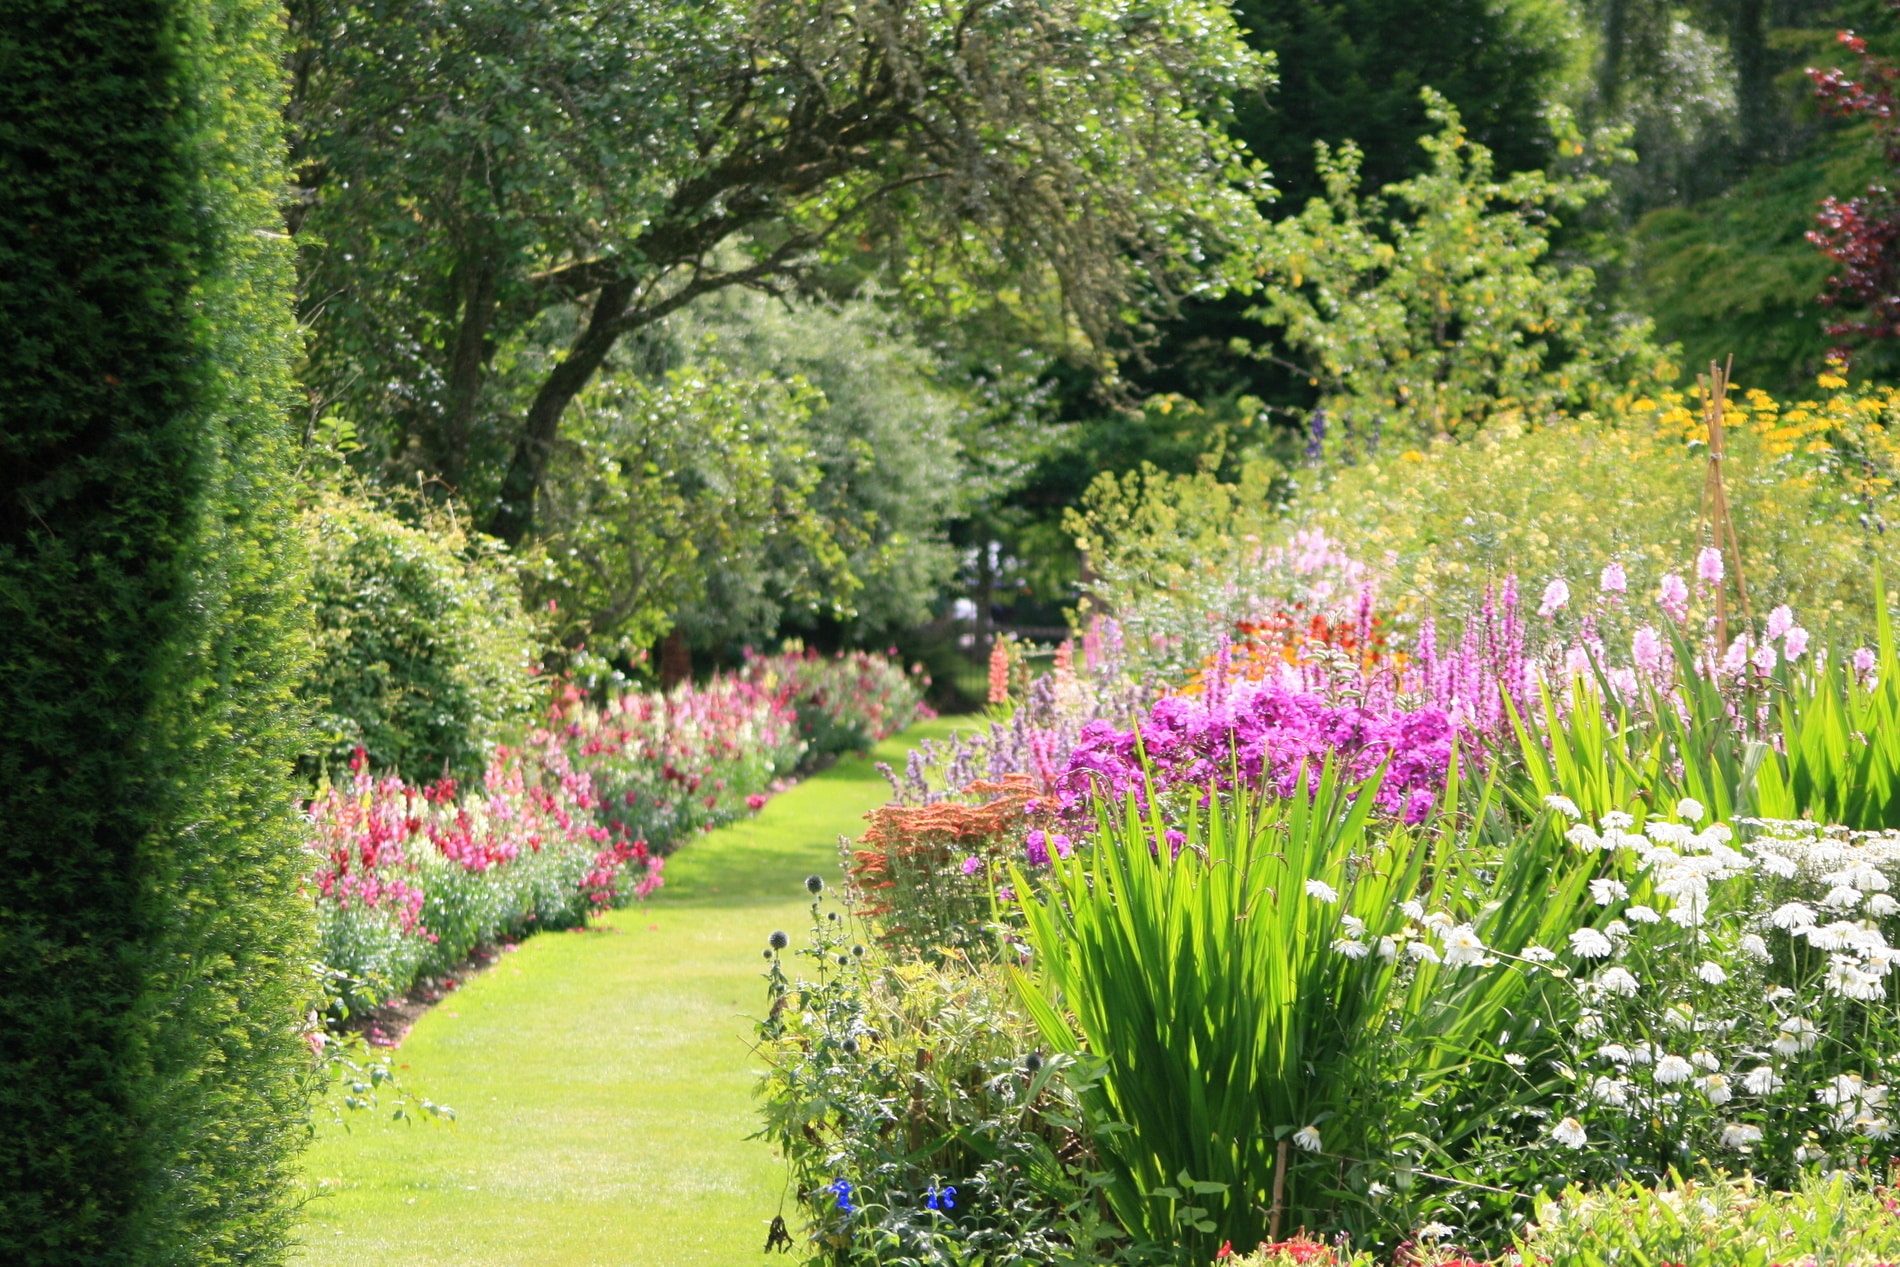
[(1267, 733)]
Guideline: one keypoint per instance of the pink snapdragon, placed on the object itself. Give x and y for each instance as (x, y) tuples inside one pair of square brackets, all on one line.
[(1708, 565), (1613, 580)]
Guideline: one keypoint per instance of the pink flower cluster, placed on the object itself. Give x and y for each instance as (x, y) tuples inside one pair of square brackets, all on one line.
[(369, 836), (360, 838), (667, 765)]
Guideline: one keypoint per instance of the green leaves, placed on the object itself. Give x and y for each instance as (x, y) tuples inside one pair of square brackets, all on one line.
[(1450, 312)]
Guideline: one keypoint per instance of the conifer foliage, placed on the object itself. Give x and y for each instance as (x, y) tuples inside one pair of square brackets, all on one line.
[(153, 948)]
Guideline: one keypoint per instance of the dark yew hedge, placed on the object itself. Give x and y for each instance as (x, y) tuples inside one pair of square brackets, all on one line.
[(153, 951)]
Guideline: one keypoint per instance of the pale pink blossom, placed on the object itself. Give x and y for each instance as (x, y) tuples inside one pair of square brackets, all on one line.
[(1675, 597), (1646, 649), (1708, 565), (1795, 642), (1613, 580), (1556, 594), (1780, 621)]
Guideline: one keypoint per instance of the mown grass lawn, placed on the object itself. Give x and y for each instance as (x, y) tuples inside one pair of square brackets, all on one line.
[(602, 1078)]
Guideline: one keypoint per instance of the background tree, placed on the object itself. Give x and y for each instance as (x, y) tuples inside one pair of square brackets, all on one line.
[(153, 944), (482, 174)]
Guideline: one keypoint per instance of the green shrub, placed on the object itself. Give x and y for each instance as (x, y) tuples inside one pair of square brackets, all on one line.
[(920, 1123), (1718, 1222), (426, 655), (154, 951)]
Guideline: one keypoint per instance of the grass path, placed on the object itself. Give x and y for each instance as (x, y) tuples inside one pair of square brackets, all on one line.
[(602, 1078)]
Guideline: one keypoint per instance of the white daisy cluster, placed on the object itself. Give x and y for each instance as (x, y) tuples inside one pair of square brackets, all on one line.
[(1855, 868), (1683, 862), (1684, 964), (1433, 937), (1857, 1104), (1852, 873)]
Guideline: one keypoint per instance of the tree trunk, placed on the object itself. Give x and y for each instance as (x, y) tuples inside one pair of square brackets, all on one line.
[(1616, 24), (1754, 78), (513, 518), (985, 597), (467, 363), (676, 661)]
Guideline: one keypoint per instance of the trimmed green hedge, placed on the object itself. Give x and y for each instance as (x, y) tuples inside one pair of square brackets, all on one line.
[(153, 950)]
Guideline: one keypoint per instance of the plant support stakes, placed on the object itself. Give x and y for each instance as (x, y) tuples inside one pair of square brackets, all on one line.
[(1721, 526)]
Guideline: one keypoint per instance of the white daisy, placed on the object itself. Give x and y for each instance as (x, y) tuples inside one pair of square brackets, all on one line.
[(1617, 981), (1761, 1080), (1590, 943)]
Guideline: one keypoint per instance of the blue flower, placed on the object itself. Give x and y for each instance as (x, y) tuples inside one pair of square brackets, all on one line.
[(842, 1189), (941, 1198)]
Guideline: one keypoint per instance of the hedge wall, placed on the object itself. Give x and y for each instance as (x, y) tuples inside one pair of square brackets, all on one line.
[(153, 952)]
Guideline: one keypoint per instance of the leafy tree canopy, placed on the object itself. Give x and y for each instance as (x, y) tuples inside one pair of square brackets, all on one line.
[(481, 175), (1452, 309)]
